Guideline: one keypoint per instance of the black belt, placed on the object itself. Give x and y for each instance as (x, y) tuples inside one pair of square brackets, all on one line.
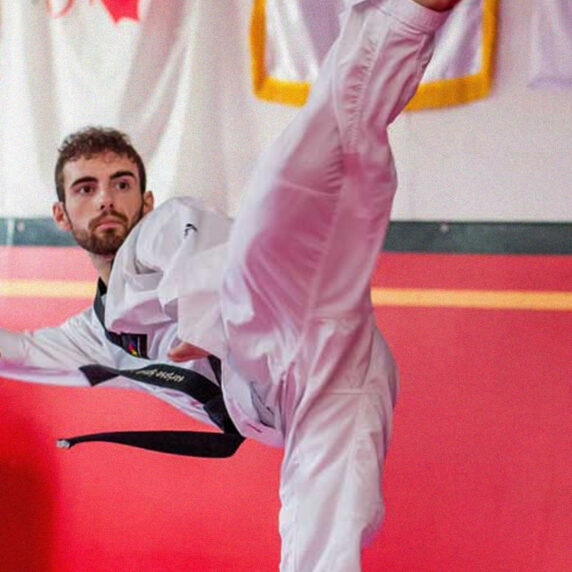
[(192, 443), (200, 388)]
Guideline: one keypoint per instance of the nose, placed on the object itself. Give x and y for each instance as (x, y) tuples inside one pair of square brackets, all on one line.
[(105, 199)]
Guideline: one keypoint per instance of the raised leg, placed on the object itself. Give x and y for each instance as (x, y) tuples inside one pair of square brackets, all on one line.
[(317, 207), (295, 301)]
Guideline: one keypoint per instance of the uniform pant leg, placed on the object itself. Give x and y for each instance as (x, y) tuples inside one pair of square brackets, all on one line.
[(306, 239), (296, 294), (336, 436)]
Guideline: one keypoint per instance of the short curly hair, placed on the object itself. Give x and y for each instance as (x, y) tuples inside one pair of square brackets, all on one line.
[(91, 141)]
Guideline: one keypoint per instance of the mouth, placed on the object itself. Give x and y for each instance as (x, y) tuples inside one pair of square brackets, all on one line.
[(108, 223)]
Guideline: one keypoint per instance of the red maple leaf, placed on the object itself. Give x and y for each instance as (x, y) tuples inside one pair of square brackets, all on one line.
[(122, 9), (117, 8)]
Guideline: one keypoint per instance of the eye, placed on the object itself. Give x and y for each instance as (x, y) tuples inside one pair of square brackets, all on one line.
[(123, 184), (83, 190)]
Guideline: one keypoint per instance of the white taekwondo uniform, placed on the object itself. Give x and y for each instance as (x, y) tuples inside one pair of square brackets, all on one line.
[(286, 303)]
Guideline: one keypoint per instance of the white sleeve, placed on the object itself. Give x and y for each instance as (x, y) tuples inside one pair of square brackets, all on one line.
[(176, 253), (53, 355)]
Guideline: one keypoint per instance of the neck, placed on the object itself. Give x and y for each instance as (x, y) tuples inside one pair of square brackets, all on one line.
[(102, 263)]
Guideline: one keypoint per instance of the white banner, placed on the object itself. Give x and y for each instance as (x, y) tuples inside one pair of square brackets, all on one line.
[(289, 40), (551, 44)]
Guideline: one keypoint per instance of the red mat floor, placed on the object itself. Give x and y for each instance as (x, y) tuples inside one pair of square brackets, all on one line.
[(479, 475)]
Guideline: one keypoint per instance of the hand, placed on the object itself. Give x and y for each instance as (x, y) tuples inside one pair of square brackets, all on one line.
[(186, 352)]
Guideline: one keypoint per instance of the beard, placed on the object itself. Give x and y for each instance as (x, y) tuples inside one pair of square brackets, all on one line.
[(105, 242)]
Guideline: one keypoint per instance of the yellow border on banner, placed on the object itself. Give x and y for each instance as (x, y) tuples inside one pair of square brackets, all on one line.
[(458, 90), (407, 297), (267, 87), (429, 95)]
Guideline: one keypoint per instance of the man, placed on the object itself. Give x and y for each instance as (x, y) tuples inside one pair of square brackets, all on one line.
[(101, 186), (286, 303), (98, 172)]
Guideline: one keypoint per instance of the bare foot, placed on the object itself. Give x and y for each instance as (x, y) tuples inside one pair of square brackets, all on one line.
[(438, 5)]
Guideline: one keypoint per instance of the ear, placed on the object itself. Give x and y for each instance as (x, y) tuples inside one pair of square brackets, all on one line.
[(148, 202), (60, 216)]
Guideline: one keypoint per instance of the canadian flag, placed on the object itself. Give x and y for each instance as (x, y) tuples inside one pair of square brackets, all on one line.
[(175, 75), (551, 44)]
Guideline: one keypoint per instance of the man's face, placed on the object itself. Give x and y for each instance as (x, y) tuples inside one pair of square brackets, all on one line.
[(103, 201)]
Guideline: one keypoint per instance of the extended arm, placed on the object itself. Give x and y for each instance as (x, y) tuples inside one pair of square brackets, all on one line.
[(53, 355)]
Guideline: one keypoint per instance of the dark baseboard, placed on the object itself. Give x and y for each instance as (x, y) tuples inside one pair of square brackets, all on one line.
[(32, 232), (480, 237), (403, 236)]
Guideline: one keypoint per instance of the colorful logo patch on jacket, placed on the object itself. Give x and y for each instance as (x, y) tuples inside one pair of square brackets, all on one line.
[(135, 344)]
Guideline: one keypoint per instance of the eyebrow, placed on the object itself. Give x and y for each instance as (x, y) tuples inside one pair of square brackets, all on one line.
[(116, 175), (83, 180), (120, 174)]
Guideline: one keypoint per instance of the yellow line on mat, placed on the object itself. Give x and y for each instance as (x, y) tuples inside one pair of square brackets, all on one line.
[(492, 299), (47, 288), (427, 297)]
